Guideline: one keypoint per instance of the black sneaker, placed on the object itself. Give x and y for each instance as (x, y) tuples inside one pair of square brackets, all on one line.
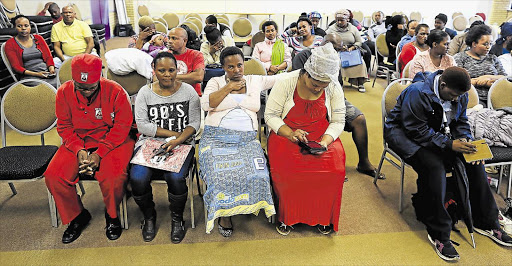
[(445, 250), (497, 235)]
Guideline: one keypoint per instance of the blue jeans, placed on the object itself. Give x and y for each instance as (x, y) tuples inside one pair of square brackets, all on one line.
[(140, 178)]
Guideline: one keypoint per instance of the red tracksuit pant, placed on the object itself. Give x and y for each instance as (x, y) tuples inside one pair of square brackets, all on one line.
[(62, 176)]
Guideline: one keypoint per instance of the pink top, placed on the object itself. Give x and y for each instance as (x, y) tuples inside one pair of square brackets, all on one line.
[(423, 63), (263, 52)]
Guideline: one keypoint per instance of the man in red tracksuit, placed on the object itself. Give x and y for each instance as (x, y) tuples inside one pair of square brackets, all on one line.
[(94, 118)]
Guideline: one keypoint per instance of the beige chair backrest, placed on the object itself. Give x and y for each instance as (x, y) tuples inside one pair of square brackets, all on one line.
[(222, 20), (391, 93), (143, 10), (263, 21), (405, 72), (30, 110), (64, 72), (172, 20), (222, 16), (416, 16), (254, 67), (358, 15), (193, 15), (131, 82), (161, 27), (456, 14), (381, 46), (460, 23), (475, 18), (196, 21), (193, 27), (7, 63), (500, 93), (9, 5), (258, 37), (242, 27), (472, 97), (160, 19)]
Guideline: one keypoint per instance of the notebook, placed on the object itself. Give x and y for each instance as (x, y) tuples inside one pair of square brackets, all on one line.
[(483, 152)]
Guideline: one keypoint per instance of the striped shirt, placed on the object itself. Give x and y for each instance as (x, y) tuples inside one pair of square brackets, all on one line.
[(296, 42)]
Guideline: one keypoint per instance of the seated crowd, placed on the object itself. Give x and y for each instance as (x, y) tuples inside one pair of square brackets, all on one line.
[(306, 112)]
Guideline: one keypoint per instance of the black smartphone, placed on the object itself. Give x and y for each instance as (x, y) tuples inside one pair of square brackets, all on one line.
[(312, 147), (51, 75)]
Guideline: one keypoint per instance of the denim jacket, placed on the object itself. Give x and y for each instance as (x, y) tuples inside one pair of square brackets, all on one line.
[(417, 119)]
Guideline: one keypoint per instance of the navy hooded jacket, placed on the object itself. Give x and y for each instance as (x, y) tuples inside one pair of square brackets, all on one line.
[(417, 118)]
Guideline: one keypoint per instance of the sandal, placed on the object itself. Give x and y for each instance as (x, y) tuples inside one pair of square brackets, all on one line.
[(225, 231), (325, 230), (371, 173)]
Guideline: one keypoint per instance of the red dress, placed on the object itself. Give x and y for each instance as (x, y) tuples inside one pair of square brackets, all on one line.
[(308, 187)]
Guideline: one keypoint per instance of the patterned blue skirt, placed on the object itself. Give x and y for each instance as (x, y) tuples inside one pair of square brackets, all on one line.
[(235, 170)]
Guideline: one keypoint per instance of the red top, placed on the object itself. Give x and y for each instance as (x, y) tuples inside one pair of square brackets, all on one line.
[(188, 62), (104, 123), (407, 54), (308, 115), (43, 14), (15, 53)]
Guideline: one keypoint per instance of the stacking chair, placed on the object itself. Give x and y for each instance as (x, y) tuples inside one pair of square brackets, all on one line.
[(161, 27), (381, 48), (64, 72), (242, 28), (460, 23), (456, 14), (196, 21), (500, 95), (7, 63), (193, 15), (222, 18), (416, 16), (98, 31), (131, 82), (172, 20), (143, 10), (29, 110), (405, 72), (255, 67), (193, 27), (388, 103), (358, 15)]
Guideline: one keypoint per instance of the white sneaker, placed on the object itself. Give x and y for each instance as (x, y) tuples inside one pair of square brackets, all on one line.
[(361, 89), (505, 223)]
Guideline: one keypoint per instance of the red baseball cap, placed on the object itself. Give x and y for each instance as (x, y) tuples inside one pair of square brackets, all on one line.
[(86, 68)]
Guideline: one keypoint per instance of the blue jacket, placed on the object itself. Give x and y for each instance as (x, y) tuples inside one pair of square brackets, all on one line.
[(417, 118), (451, 33)]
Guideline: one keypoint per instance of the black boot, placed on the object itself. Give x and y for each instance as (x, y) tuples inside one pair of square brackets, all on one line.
[(147, 206), (178, 225), (113, 230)]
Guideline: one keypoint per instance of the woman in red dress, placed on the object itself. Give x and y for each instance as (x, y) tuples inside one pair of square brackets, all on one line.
[(304, 106)]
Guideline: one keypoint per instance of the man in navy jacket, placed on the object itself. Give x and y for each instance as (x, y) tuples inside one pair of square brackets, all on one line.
[(429, 128)]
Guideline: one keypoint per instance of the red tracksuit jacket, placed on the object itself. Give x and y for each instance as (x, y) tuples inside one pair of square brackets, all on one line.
[(104, 123)]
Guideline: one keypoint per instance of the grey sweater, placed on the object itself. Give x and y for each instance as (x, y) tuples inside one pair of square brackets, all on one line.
[(174, 112)]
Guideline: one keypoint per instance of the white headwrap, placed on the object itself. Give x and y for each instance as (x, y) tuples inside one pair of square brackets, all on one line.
[(323, 64)]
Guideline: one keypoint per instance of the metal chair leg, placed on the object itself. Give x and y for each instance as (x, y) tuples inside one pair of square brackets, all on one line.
[(204, 204), (380, 167), (82, 189), (509, 180), (13, 189), (53, 210), (190, 184), (401, 196)]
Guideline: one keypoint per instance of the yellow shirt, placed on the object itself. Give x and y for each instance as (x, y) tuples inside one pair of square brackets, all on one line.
[(72, 37)]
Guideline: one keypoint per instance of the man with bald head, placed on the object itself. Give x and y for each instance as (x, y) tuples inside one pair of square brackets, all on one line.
[(355, 121), (189, 63), (71, 37)]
